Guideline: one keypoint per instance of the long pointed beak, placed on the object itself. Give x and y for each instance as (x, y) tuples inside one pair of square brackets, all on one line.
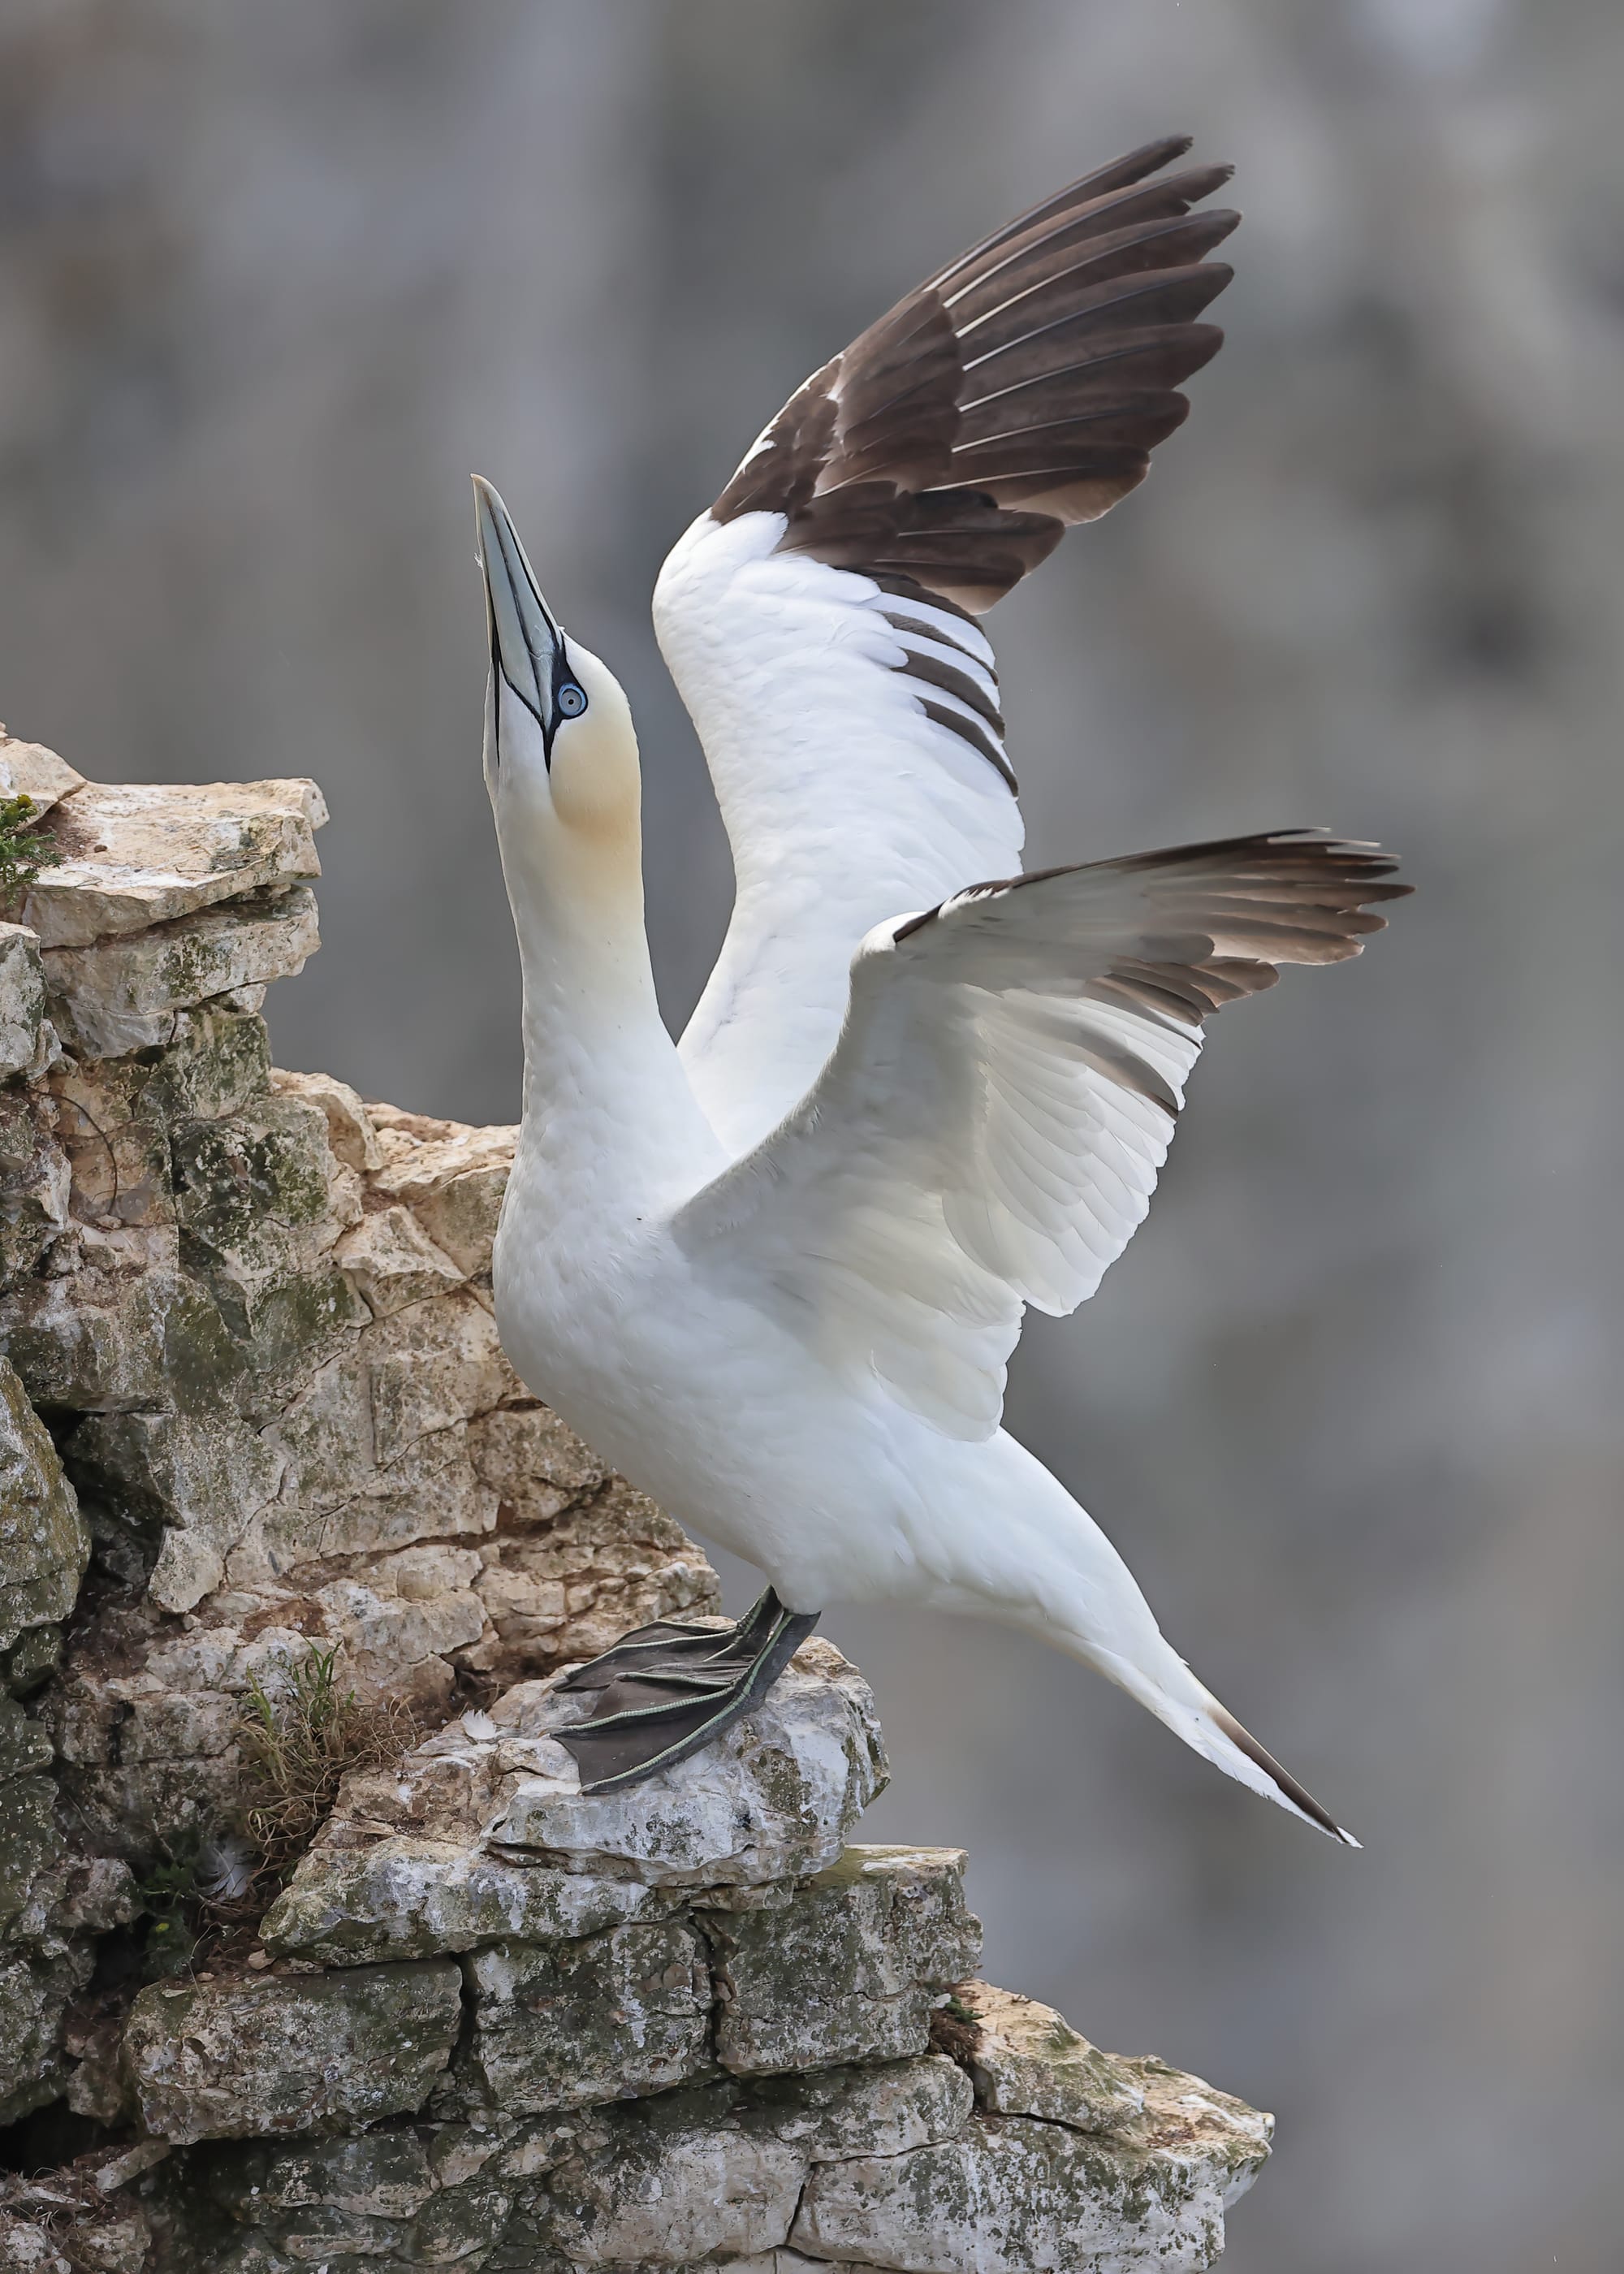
[(525, 638)]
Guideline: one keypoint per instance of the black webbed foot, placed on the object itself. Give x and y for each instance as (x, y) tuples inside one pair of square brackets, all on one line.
[(649, 1650), (667, 1690)]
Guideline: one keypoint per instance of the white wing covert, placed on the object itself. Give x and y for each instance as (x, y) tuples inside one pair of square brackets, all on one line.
[(990, 1127), (819, 619)]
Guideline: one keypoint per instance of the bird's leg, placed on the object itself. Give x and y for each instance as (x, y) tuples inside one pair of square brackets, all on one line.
[(669, 1689)]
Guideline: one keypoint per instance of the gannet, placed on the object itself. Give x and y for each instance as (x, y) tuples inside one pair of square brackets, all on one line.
[(775, 1273)]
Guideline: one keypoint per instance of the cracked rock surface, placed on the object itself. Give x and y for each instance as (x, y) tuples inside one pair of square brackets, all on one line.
[(210, 2062), (258, 1313), (254, 1418), (656, 2070)]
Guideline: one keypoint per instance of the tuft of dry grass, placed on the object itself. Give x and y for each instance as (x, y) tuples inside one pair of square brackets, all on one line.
[(297, 1740), (956, 2028)]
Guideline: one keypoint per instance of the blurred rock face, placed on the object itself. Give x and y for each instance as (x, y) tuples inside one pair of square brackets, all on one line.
[(272, 282)]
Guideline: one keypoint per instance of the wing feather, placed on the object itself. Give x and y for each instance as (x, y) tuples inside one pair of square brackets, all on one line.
[(988, 1131), (819, 619)]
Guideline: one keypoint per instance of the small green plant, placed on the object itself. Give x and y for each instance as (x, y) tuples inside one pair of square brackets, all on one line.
[(170, 1894), (24, 852), (208, 1882), (201, 1887), (296, 1741)]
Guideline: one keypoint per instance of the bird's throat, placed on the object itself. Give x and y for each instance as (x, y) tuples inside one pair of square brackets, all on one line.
[(609, 1119)]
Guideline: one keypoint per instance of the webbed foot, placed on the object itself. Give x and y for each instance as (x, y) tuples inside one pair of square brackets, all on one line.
[(667, 1690)]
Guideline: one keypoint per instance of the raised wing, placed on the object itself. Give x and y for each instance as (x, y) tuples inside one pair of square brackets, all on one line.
[(819, 619), (988, 1129)]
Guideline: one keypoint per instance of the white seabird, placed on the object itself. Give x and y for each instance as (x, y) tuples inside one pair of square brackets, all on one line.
[(775, 1274)]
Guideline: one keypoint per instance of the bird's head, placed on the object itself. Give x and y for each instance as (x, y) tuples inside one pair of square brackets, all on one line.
[(560, 754)]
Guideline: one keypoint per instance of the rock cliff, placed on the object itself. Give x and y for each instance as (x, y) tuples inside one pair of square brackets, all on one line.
[(311, 1950)]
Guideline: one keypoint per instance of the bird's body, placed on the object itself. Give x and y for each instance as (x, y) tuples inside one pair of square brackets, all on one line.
[(723, 1416), (708, 1401), (836, 1497), (774, 1274)]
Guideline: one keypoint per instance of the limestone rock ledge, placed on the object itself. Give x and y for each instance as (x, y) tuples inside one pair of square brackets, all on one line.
[(252, 1398), (252, 1405), (257, 1314), (657, 2033)]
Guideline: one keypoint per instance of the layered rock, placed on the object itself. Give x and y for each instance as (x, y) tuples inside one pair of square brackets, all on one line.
[(689, 2035), (482, 1833), (254, 1420), (258, 1313), (300, 2054)]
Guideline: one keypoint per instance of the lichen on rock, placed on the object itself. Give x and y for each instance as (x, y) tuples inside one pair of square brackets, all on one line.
[(1027, 2061), (116, 996), (22, 1000), (850, 1969), (595, 2018), (217, 2062), (43, 1544)]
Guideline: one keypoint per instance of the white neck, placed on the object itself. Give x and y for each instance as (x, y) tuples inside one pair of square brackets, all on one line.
[(610, 1124)]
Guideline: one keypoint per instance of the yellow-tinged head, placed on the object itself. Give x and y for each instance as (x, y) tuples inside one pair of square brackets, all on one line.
[(560, 754)]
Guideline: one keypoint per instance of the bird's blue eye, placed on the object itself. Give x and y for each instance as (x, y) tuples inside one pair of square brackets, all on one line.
[(571, 701)]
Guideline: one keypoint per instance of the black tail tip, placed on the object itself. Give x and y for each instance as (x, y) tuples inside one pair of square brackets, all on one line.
[(1299, 1796)]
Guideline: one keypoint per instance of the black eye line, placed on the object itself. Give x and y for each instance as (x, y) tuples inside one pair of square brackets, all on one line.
[(499, 673), (562, 677)]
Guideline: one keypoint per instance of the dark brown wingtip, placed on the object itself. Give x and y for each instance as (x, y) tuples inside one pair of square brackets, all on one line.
[(1118, 173), (1019, 390), (1298, 1794)]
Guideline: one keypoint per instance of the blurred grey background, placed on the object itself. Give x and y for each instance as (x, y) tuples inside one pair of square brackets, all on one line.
[(275, 279)]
